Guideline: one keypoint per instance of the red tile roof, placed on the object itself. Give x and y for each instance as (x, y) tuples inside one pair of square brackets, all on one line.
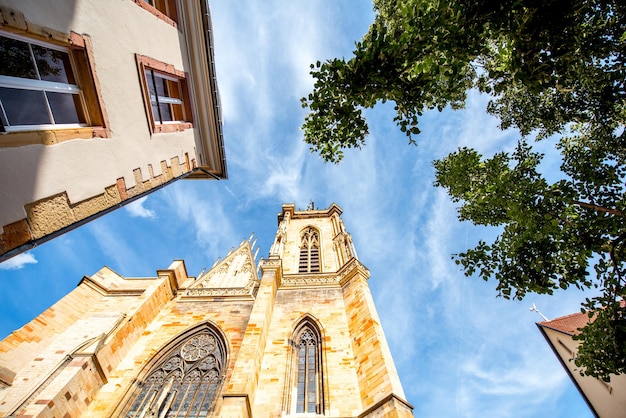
[(568, 324)]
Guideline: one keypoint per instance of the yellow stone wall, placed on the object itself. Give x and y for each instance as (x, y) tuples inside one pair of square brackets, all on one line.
[(86, 352)]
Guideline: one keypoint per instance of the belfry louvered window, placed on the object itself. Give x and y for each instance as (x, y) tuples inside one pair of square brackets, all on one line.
[(308, 371), (309, 251), (185, 383)]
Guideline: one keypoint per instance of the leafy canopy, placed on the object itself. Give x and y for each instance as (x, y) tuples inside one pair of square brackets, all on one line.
[(552, 68)]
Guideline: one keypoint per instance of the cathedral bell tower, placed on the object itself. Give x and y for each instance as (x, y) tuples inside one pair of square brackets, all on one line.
[(323, 348), (301, 339)]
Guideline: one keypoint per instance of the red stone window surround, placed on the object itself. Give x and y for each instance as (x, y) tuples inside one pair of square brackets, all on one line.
[(163, 9), (69, 62), (165, 95)]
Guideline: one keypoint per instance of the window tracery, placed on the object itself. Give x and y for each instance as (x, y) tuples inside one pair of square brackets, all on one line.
[(309, 251), (307, 369), (185, 383)]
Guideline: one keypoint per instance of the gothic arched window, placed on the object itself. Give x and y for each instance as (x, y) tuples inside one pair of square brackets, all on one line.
[(185, 382), (307, 350), (309, 251)]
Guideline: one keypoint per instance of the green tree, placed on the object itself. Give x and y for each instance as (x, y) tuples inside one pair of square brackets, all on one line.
[(552, 68)]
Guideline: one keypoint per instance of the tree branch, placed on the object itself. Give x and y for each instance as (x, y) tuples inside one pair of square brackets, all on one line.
[(598, 208)]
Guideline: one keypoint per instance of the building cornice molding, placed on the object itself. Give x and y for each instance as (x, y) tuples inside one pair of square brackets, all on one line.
[(248, 292), (290, 209), (389, 398), (94, 285), (300, 280), (353, 268), (197, 28)]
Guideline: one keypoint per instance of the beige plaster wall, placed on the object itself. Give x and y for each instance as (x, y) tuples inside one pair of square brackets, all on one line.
[(83, 168), (608, 398)]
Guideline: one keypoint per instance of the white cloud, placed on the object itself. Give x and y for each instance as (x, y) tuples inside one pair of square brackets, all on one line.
[(137, 209), (460, 352), (18, 262)]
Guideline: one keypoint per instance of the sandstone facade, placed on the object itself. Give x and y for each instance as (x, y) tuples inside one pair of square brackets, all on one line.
[(94, 352)]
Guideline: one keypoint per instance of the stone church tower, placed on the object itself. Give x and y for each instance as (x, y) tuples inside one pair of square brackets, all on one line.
[(303, 339)]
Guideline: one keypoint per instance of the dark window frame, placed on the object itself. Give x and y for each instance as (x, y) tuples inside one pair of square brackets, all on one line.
[(152, 70)]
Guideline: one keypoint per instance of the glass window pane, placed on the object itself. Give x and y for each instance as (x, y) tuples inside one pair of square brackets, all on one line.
[(166, 112), (65, 107), (150, 82), (15, 59), (176, 401), (53, 65), (3, 120), (198, 402), (155, 113), (24, 107), (192, 391), (161, 86)]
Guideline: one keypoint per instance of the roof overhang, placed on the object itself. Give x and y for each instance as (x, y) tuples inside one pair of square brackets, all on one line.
[(195, 21)]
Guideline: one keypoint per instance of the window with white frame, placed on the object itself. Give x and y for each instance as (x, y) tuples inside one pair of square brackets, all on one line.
[(39, 86)]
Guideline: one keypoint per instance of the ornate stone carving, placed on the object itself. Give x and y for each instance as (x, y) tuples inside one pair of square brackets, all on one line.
[(218, 291), (299, 280), (270, 264), (249, 289), (198, 347)]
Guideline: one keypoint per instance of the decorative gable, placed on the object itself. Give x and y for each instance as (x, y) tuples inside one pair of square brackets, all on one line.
[(235, 275)]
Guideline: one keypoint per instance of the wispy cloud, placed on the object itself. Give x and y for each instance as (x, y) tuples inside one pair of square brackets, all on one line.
[(137, 209), (208, 218), (460, 352), (117, 248), (18, 262)]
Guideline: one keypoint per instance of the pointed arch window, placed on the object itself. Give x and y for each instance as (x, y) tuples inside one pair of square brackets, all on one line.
[(185, 383), (309, 251), (307, 370)]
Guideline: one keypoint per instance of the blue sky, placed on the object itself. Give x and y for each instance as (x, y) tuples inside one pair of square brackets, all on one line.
[(460, 351)]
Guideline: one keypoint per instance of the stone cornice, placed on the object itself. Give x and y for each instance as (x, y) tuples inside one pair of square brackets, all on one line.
[(247, 292), (349, 270), (298, 280), (200, 292), (93, 284), (272, 263), (308, 214), (389, 398)]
